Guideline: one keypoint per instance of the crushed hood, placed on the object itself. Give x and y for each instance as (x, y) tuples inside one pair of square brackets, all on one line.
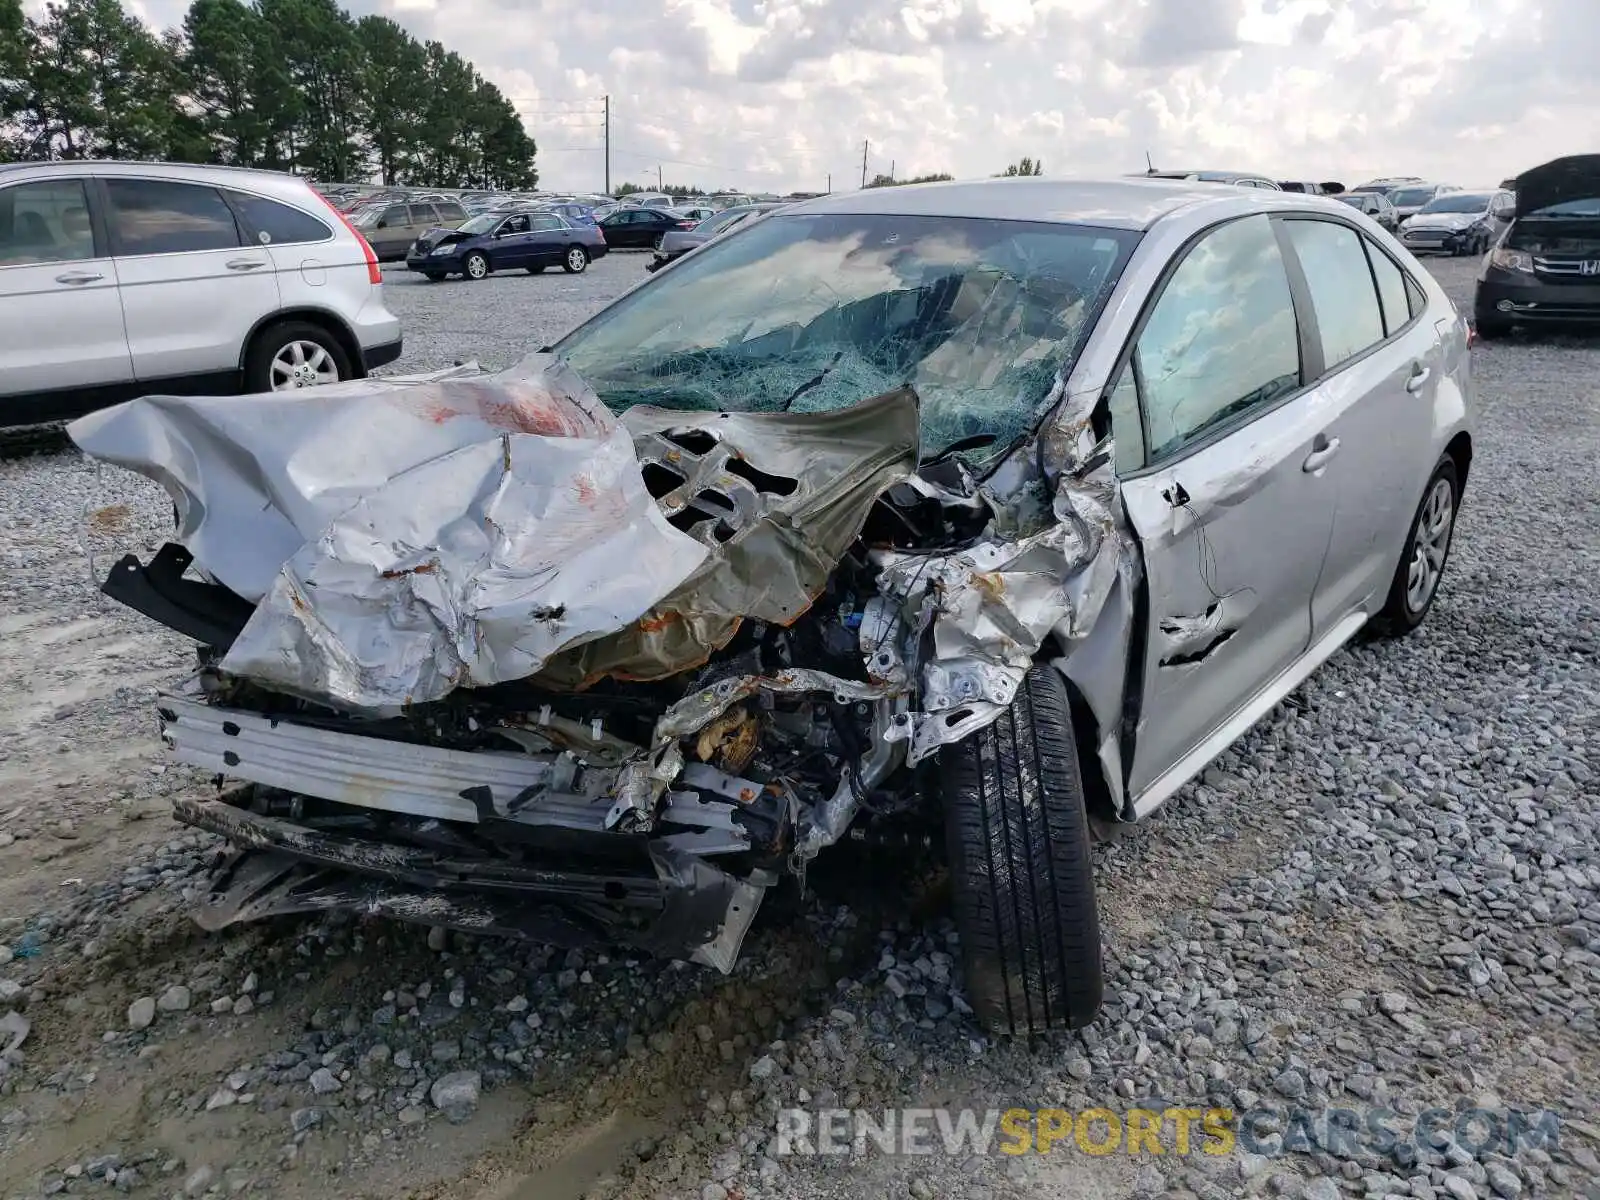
[(1575, 177), (405, 537)]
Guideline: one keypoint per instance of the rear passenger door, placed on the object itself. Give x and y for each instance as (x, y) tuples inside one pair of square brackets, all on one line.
[(1377, 365), (192, 288), (1213, 433)]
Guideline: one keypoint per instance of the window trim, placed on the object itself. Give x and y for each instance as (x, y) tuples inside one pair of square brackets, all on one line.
[(1239, 420), (94, 204), (114, 239), (245, 225)]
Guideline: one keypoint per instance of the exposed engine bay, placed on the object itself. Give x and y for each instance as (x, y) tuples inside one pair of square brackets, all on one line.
[(478, 653)]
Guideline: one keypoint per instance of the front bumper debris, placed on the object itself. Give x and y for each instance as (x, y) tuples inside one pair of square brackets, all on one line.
[(606, 890)]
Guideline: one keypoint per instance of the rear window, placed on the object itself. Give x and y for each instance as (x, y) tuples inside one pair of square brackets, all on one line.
[(273, 224), (451, 212), (153, 216)]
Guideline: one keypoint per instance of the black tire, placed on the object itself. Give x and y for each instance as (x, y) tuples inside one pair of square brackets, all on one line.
[(476, 265), (1021, 874), (258, 361), (575, 261), (1402, 612), (538, 270), (656, 245), (433, 276)]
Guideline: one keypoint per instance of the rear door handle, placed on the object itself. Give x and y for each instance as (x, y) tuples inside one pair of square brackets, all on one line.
[(1321, 451), (244, 264), (1419, 376), (79, 278)]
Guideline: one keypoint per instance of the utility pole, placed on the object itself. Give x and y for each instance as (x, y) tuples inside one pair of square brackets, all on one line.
[(864, 146), (659, 188), (830, 183), (891, 170), (608, 145)]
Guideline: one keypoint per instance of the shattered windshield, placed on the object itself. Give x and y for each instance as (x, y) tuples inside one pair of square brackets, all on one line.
[(801, 313)]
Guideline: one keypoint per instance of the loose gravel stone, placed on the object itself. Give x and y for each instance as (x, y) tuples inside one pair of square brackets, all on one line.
[(141, 1013)]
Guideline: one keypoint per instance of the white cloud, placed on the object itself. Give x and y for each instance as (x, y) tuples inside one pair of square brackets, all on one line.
[(779, 94)]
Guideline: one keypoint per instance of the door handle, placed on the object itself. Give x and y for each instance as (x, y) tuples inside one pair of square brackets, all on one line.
[(1322, 450), (1419, 376), (244, 264), (79, 278)]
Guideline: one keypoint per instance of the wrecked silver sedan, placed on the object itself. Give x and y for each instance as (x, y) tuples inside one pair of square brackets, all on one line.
[(1003, 505)]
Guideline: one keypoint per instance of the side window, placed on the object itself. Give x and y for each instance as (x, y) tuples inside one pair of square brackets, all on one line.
[(151, 216), (1222, 338), (1414, 297), (45, 223), (423, 214), (273, 224), (1391, 289), (1342, 292), (544, 224), (1127, 431), (395, 214), (517, 224), (451, 212)]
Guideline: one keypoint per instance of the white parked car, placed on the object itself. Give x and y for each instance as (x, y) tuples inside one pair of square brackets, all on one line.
[(125, 279)]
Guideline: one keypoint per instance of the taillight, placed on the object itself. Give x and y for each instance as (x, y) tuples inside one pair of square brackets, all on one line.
[(685, 224), (374, 271)]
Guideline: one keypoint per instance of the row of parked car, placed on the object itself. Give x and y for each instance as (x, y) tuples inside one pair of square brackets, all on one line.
[(1539, 234), (534, 236), (123, 279)]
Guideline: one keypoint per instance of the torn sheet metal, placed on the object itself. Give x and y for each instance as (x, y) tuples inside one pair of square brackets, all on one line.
[(256, 477), (776, 498), (990, 607), (472, 569)]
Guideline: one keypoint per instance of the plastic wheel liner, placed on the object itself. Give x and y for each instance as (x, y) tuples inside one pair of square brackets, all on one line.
[(479, 653)]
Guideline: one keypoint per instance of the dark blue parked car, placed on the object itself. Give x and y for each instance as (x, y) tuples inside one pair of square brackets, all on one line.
[(501, 241)]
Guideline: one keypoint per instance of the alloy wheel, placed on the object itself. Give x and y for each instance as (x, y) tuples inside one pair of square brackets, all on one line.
[(302, 364), (1430, 545)]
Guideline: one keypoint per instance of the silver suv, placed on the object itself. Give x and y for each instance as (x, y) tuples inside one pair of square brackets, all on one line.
[(123, 279)]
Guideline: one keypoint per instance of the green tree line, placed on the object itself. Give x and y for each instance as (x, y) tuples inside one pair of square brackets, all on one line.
[(284, 84)]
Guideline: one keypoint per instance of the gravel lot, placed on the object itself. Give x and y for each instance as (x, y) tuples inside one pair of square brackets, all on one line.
[(1387, 897)]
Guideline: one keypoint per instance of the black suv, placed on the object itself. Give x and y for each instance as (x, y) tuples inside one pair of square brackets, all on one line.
[(1546, 267)]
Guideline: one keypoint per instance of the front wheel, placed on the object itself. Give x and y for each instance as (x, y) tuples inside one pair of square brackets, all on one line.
[(477, 265), (433, 276), (1416, 579), (576, 260), (1023, 881)]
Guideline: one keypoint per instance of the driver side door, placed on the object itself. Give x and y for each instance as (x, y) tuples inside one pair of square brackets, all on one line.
[(511, 244), (1219, 449)]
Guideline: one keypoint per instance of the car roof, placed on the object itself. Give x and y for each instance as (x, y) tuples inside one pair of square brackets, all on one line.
[(1109, 203)]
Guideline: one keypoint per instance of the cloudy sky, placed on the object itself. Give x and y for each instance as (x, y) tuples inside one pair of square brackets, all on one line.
[(780, 94)]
